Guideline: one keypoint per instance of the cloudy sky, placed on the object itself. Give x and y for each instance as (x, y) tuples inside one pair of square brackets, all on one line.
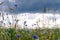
[(29, 5), (22, 6)]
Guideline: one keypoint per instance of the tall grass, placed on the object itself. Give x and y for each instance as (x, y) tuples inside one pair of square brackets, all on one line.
[(30, 34)]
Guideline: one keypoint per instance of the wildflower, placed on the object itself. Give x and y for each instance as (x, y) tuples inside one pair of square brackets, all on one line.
[(25, 25), (18, 36), (7, 14), (10, 23), (15, 5), (16, 20), (24, 22), (34, 25), (35, 36), (4, 23)]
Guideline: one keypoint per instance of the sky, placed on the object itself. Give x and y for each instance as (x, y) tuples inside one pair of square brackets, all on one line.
[(22, 6), (29, 5)]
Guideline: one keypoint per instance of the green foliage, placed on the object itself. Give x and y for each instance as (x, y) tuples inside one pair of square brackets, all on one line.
[(25, 34)]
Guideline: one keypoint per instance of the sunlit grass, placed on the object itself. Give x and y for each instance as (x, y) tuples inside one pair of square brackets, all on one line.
[(30, 34)]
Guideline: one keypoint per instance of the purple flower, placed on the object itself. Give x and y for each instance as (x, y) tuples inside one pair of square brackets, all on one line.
[(10, 23), (25, 25), (35, 36), (16, 5), (17, 20), (18, 36), (24, 22), (7, 14), (34, 25)]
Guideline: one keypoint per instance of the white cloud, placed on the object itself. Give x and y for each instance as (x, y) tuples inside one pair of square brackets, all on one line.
[(13, 1), (30, 21)]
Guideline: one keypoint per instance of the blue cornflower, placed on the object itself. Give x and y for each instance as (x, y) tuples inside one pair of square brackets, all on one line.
[(35, 36), (34, 25), (24, 22), (18, 36), (25, 25), (16, 5), (10, 23)]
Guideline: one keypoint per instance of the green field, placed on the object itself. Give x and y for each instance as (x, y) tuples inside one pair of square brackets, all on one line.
[(30, 34)]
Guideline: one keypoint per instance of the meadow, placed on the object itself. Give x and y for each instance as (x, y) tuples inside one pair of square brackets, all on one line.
[(29, 34), (9, 18), (43, 30)]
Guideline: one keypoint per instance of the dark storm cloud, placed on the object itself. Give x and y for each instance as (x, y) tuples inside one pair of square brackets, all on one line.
[(31, 5), (35, 5)]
